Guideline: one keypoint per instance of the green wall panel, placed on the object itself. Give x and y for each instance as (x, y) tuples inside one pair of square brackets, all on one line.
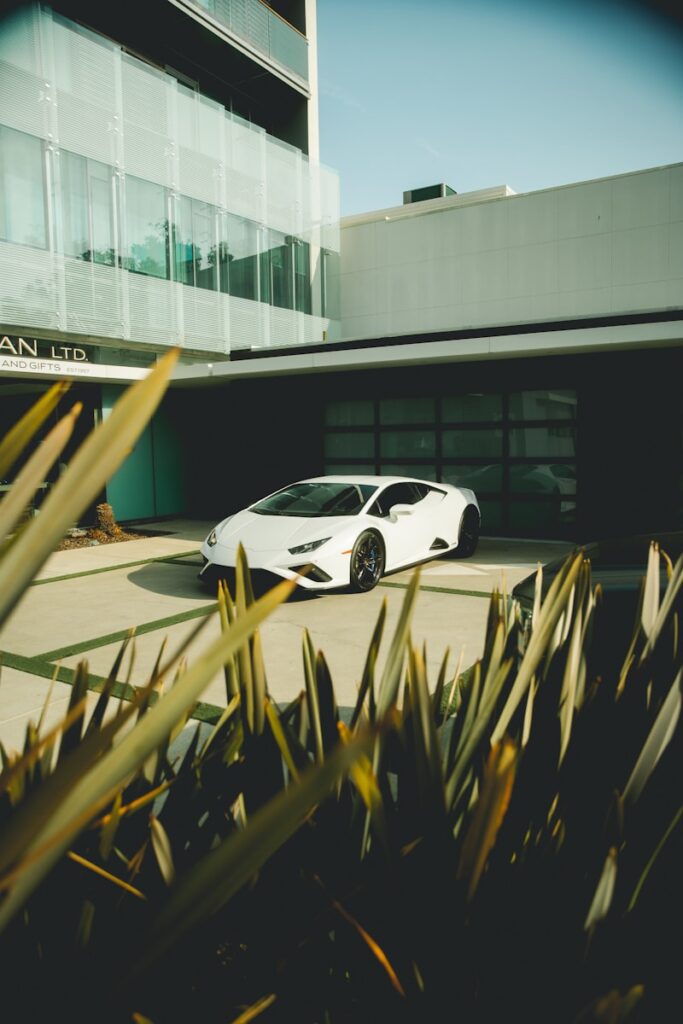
[(168, 451), (130, 491)]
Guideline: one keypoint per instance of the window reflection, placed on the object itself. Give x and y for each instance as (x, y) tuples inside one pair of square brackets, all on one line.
[(407, 443), (472, 442), (85, 190), (195, 244), (22, 189), (146, 228), (350, 446), (481, 479), (407, 410), (349, 414), (524, 474), (543, 478), (554, 441), (546, 515), (471, 408), (543, 405), (238, 256), (205, 247)]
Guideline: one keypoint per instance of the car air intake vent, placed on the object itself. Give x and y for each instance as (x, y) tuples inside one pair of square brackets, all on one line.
[(312, 572), (438, 544)]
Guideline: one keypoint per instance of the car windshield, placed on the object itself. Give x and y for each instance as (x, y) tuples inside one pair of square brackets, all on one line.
[(316, 499)]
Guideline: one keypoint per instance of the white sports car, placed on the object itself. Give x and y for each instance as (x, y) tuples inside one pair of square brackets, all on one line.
[(345, 530)]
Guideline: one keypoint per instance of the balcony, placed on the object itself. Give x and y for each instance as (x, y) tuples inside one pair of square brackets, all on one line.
[(261, 28)]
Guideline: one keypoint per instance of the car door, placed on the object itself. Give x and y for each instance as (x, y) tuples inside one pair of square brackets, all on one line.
[(406, 534)]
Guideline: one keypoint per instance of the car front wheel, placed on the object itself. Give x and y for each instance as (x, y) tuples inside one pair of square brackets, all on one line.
[(367, 561)]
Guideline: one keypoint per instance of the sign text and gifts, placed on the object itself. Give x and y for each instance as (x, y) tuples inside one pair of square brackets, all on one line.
[(45, 357)]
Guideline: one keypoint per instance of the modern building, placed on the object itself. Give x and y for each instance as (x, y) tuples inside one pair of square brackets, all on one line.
[(163, 187), (528, 346), (159, 186)]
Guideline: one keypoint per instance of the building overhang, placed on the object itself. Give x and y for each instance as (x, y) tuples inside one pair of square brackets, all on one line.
[(517, 342)]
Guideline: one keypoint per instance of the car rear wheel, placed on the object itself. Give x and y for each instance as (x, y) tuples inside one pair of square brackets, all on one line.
[(468, 534), (367, 561)]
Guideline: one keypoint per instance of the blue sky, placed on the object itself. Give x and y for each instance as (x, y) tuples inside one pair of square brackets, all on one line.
[(527, 93)]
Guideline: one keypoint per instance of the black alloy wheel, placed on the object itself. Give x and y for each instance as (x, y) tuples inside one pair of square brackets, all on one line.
[(367, 561), (468, 534)]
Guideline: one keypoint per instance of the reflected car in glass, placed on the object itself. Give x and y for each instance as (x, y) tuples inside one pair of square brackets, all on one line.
[(345, 530)]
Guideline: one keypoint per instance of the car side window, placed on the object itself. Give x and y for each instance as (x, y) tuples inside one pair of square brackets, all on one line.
[(396, 494)]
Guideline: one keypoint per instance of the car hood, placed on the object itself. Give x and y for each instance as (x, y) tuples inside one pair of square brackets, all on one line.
[(276, 533)]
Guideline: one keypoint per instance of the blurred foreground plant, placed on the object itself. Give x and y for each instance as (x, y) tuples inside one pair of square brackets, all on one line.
[(502, 846)]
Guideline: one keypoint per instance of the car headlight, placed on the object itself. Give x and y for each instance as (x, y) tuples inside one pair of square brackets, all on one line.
[(212, 538), (301, 549)]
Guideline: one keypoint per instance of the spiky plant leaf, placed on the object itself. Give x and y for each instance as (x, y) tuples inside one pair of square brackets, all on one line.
[(114, 767), (391, 676), (665, 609), (22, 433), (554, 606), (224, 871), (161, 845), (651, 590), (312, 695), (94, 463), (570, 683), (658, 739), (367, 685), (281, 740), (494, 798), (602, 898), (34, 472)]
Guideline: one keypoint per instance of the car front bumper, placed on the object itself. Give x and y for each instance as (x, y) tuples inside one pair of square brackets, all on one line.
[(308, 575)]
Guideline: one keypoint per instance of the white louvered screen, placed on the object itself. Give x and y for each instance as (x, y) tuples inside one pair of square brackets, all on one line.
[(82, 95)]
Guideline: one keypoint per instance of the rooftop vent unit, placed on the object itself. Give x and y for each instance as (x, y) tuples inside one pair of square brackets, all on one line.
[(418, 195)]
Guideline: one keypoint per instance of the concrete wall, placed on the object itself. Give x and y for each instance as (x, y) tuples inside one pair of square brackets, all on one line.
[(596, 248)]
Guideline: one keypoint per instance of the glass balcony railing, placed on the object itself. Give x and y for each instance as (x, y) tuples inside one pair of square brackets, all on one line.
[(262, 28)]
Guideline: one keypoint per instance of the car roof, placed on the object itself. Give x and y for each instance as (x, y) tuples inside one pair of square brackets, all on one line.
[(378, 481)]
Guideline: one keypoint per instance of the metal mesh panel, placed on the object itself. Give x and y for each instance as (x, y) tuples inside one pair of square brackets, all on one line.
[(247, 327), (82, 128), (92, 299), (286, 328), (288, 48), (83, 95), (283, 187), (152, 310), (28, 287), (257, 26), (148, 148), (261, 28), (199, 177), (22, 100), (20, 41), (83, 65), (202, 320)]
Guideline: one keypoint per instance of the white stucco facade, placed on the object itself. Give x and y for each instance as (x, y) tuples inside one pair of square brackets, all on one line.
[(600, 248)]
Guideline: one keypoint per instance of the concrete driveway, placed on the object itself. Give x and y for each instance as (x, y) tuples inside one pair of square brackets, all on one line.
[(84, 602)]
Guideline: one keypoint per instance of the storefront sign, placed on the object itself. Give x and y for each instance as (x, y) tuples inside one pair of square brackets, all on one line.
[(40, 350), (34, 357)]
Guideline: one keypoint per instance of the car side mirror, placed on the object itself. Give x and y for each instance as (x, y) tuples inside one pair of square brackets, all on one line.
[(401, 510)]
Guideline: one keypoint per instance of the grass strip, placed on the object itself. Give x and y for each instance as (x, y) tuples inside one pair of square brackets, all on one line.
[(440, 590), (123, 691), (112, 568), (111, 638)]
